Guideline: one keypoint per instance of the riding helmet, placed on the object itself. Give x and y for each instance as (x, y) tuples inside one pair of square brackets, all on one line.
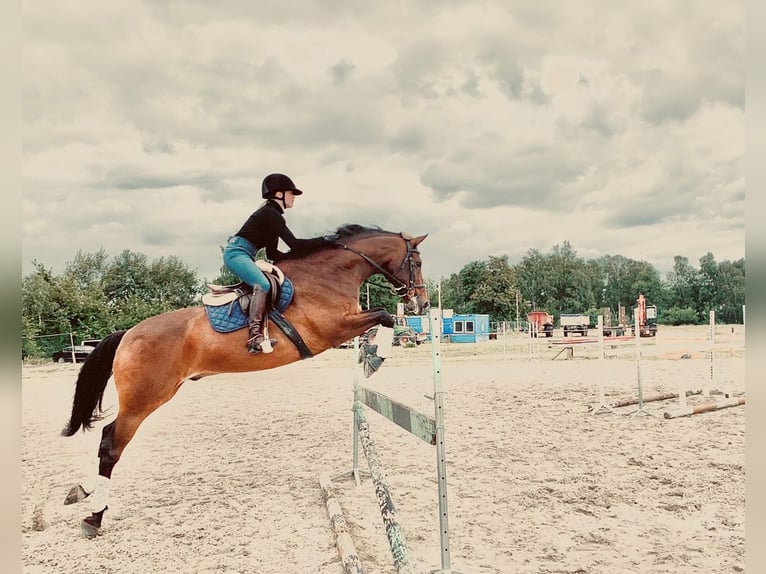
[(275, 182)]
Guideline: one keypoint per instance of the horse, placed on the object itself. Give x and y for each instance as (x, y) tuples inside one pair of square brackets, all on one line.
[(151, 360)]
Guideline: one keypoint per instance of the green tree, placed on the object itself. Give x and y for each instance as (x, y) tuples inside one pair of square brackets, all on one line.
[(495, 291), (570, 289), (730, 291), (458, 289), (532, 276), (684, 284)]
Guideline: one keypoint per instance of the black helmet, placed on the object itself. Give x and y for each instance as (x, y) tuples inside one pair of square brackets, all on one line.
[(275, 182)]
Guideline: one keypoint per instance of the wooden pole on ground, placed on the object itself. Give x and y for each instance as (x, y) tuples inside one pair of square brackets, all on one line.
[(348, 554), (653, 398), (704, 408), (394, 531)]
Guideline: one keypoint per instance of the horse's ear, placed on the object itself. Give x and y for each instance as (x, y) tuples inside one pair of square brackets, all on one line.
[(417, 240)]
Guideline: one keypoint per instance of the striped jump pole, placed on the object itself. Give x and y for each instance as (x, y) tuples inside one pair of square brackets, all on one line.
[(427, 428), (394, 532)]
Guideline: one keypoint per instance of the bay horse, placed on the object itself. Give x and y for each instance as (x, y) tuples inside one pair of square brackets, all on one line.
[(151, 360)]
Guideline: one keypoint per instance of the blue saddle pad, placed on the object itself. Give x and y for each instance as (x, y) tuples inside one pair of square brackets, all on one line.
[(228, 318)]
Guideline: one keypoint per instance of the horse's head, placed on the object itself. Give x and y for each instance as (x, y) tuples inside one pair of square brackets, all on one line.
[(413, 290), (395, 256)]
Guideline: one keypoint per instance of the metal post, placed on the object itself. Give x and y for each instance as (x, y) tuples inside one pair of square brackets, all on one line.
[(641, 410), (710, 387), (602, 407), (441, 466)]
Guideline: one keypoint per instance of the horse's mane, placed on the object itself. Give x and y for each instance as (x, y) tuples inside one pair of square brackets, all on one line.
[(345, 232), (349, 230)]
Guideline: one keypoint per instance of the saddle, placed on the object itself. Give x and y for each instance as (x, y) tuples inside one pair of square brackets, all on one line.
[(227, 306), (225, 294)]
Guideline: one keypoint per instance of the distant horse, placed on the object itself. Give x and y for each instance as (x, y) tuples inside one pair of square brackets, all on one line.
[(152, 360)]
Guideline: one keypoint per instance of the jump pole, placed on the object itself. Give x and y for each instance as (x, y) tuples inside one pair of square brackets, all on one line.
[(641, 410), (602, 406), (428, 429), (394, 532), (653, 398), (348, 555), (711, 355), (688, 411)]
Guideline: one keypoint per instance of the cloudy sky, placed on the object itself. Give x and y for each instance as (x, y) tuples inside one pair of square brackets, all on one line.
[(493, 126)]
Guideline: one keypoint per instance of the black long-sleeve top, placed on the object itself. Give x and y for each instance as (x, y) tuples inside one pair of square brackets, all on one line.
[(267, 225)]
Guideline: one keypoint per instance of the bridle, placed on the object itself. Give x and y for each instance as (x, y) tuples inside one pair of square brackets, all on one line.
[(399, 287)]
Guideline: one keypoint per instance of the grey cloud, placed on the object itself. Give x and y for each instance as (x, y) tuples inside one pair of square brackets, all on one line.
[(138, 178), (599, 119), (160, 236), (409, 138), (341, 71), (510, 77), (684, 194), (536, 178)]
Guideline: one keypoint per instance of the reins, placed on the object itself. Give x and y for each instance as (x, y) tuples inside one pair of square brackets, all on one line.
[(400, 288)]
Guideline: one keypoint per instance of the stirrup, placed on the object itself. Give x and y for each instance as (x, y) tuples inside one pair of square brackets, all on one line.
[(254, 347)]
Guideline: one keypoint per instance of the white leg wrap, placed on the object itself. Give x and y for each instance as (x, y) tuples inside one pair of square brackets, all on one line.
[(89, 484), (384, 339), (99, 498)]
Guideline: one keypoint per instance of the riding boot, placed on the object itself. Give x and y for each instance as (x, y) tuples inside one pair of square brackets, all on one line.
[(256, 319)]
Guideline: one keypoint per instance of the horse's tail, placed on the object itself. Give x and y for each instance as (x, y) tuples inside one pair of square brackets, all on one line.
[(91, 382)]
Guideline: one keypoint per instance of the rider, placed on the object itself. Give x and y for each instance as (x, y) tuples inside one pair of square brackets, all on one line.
[(264, 228)]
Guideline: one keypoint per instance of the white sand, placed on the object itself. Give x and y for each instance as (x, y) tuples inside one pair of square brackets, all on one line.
[(224, 478)]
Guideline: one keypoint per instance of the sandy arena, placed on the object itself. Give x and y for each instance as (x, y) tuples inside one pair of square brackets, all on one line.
[(224, 478)]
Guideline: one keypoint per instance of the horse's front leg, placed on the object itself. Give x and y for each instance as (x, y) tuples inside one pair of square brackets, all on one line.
[(368, 353), (375, 316)]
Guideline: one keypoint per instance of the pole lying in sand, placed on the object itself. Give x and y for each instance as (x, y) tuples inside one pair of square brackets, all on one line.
[(348, 554), (653, 398), (704, 408), (394, 531)]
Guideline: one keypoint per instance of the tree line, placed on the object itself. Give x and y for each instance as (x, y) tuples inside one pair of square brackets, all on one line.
[(561, 282), (96, 295)]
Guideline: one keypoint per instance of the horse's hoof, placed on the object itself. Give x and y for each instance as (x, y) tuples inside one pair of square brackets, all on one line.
[(76, 494), (90, 530), (372, 364)]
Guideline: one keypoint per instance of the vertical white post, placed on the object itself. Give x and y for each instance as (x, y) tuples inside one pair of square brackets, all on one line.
[(602, 407), (710, 384), (355, 447), (641, 410), (505, 334), (441, 463), (638, 362), (601, 369)]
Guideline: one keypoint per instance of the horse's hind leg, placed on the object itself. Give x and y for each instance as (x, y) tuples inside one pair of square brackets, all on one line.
[(114, 438)]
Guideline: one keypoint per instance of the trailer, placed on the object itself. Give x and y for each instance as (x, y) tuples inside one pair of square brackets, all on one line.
[(540, 322), (575, 323)]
